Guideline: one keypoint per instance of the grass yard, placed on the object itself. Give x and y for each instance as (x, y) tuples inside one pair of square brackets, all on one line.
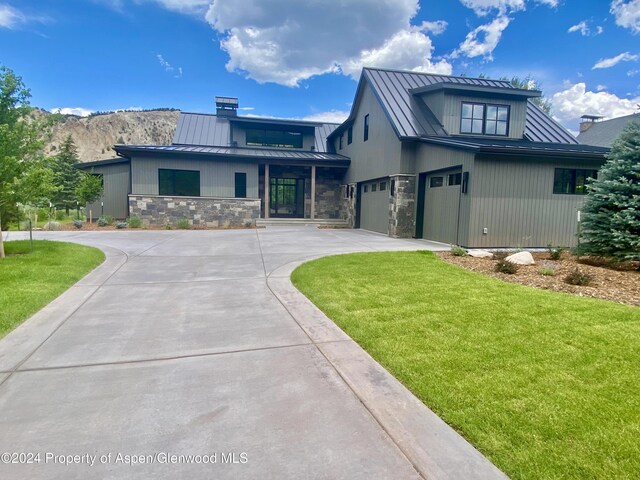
[(30, 280), (544, 384)]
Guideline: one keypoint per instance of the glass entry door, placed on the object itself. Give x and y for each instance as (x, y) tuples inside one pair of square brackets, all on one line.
[(286, 197)]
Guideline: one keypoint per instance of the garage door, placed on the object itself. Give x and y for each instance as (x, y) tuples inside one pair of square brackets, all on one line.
[(374, 206), (441, 206)]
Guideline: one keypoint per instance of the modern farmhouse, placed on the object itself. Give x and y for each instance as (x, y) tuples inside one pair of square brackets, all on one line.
[(459, 160)]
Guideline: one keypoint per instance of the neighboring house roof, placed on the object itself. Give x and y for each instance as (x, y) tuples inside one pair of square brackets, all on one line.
[(518, 147), (411, 118), (293, 156), (212, 131), (604, 133), (99, 163)]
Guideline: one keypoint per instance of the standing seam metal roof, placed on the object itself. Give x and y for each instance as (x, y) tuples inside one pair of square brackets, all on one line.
[(410, 117)]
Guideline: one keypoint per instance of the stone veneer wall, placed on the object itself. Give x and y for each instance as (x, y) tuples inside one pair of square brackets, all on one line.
[(402, 221), (202, 211), (349, 198), (329, 194)]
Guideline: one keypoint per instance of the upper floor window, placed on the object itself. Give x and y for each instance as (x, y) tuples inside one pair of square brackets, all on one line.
[(349, 135), (366, 127), (571, 181), (484, 119), (257, 137), (181, 183)]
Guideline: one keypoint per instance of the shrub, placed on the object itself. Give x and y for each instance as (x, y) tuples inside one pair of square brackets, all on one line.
[(506, 267), (121, 225), (168, 226), (183, 224), (110, 219), (248, 223), (555, 252), (103, 222), (578, 278), (457, 251), (135, 222), (548, 271), (60, 215), (78, 223)]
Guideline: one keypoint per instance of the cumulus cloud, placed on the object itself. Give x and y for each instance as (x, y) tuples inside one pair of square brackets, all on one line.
[(585, 30), (332, 116), (288, 41), (485, 7), (627, 14), (78, 111), (613, 61), (573, 102), (482, 41)]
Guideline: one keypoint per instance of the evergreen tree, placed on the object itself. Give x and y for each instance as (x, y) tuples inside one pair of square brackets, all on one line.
[(67, 176), (611, 221)]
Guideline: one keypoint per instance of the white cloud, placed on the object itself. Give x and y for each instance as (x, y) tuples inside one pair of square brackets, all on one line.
[(482, 41), (78, 111), (613, 61), (484, 7), (627, 13), (585, 30), (332, 116), (288, 41), (177, 73), (633, 72), (185, 6), (573, 102), (601, 88), (10, 17), (436, 28)]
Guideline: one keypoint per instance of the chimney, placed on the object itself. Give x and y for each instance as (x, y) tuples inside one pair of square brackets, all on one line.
[(226, 106), (588, 121)]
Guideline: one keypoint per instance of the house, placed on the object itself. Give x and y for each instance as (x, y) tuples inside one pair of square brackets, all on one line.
[(594, 131), (458, 160)]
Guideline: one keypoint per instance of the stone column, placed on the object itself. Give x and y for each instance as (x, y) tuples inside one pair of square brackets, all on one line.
[(402, 223), (349, 203), (267, 194), (313, 192)]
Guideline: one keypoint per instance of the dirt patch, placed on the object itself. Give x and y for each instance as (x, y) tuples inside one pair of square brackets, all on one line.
[(616, 282)]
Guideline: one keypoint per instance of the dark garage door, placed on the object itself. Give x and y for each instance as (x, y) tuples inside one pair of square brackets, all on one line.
[(441, 206), (374, 206)]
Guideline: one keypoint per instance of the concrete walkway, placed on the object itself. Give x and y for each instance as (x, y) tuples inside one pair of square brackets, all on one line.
[(195, 343)]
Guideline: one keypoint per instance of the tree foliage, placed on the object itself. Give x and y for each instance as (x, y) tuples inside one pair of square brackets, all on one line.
[(66, 175), (529, 83), (611, 222), (89, 188)]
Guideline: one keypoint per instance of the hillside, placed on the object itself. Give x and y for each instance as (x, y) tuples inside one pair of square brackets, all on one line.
[(95, 136)]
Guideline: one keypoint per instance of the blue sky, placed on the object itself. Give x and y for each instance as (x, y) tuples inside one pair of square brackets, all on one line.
[(296, 58)]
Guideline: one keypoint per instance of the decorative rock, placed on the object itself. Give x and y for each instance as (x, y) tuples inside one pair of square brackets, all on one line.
[(480, 254), (521, 258)]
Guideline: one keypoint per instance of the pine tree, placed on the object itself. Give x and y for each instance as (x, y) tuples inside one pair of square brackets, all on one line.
[(67, 176), (611, 221)]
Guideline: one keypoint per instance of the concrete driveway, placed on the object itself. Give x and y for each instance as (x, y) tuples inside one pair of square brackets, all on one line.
[(189, 355)]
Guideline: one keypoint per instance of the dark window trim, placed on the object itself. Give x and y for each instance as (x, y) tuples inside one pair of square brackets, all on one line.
[(484, 118), (366, 127), (289, 138), (559, 180), (240, 186), (382, 186), (350, 135), (340, 141), (173, 182)]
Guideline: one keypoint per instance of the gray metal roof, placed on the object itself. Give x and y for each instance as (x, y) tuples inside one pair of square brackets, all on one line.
[(212, 131), (604, 133), (238, 152), (411, 118), (99, 163), (519, 147)]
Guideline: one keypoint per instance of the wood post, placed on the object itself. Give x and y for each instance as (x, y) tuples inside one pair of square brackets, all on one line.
[(313, 192), (267, 196)]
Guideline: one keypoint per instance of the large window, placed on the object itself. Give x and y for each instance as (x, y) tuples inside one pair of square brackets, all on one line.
[(366, 127), (181, 183), (571, 181), (273, 138), (241, 185), (484, 119)]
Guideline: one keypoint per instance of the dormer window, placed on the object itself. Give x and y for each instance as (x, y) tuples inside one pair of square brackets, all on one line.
[(484, 119)]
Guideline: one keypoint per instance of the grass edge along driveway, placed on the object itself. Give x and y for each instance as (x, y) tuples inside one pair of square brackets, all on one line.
[(544, 384), (30, 280)]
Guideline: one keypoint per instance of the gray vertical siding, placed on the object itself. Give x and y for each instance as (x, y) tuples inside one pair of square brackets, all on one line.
[(514, 200), (379, 156), (116, 189), (453, 108), (217, 178)]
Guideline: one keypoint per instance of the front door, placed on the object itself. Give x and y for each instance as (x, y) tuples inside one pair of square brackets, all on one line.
[(287, 197)]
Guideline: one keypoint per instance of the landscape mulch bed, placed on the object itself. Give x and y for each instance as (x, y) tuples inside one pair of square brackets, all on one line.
[(616, 282)]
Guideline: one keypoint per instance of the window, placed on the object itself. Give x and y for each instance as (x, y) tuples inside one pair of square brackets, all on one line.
[(366, 127), (349, 135), (436, 182), (374, 187), (340, 141), (393, 187), (455, 179), (273, 138), (481, 119), (181, 183), (383, 186), (241, 185), (570, 181), (366, 188)]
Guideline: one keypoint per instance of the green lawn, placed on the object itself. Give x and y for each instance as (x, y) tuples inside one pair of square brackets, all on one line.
[(547, 385), (30, 280)]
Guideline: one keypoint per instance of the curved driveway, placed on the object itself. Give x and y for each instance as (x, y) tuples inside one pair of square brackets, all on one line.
[(193, 343)]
